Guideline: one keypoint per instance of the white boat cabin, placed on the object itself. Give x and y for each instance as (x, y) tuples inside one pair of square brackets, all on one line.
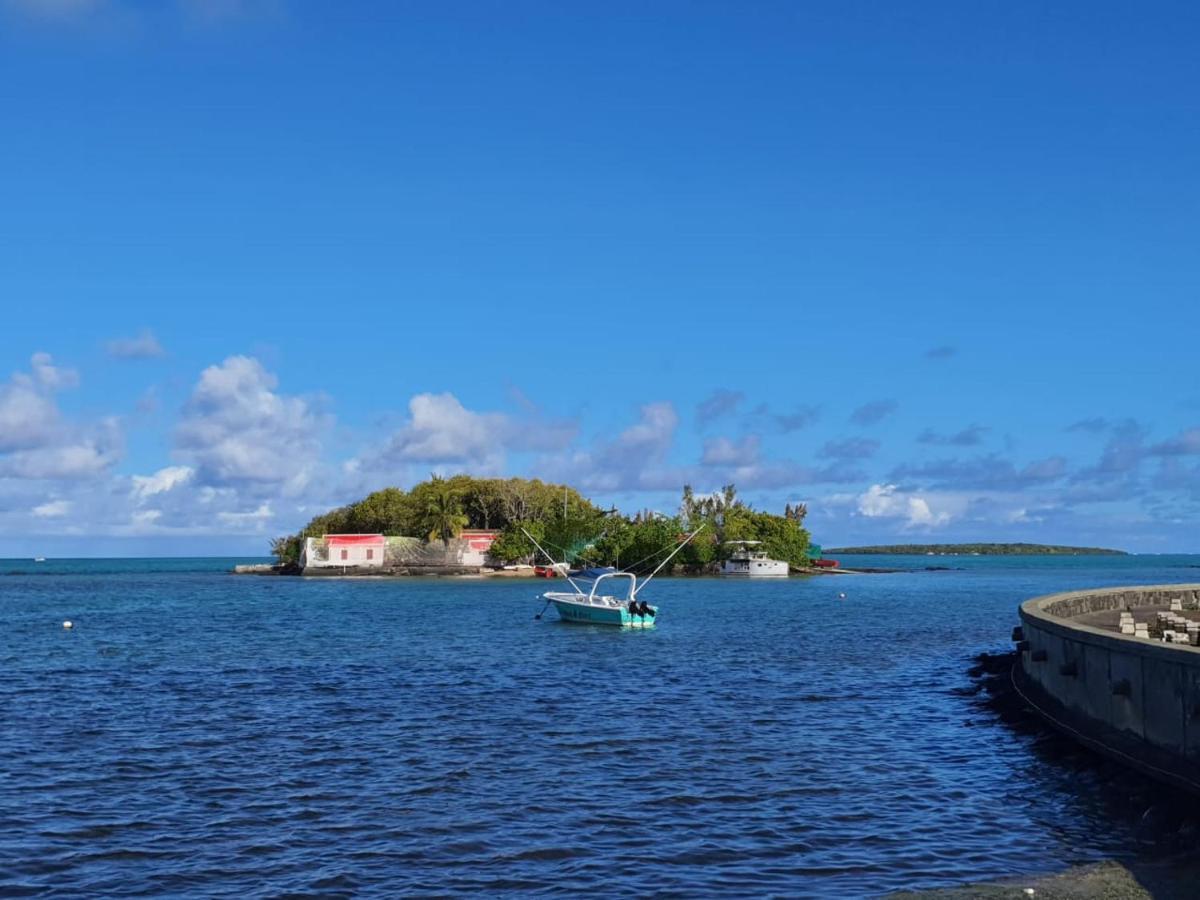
[(748, 561)]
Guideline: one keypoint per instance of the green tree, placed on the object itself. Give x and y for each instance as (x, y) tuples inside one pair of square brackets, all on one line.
[(611, 547), (782, 538), (444, 518), (383, 512), (513, 546), (336, 521), (286, 550), (483, 502), (652, 537)]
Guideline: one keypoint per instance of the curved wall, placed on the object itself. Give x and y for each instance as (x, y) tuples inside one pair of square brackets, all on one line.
[(1133, 698)]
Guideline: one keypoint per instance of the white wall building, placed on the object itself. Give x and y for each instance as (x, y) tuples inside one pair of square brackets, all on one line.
[(336, 550)]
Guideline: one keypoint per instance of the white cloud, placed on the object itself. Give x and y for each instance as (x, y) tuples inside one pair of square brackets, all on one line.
[(144, 345), (163, 480), (52, 509), (35, 441), (649, 439), (81, 456), (50, 376), (237, 429), (1022, 517), (889, 502), (256, 518), (722, 451), (28, 414), (633, 461), (441, 430)]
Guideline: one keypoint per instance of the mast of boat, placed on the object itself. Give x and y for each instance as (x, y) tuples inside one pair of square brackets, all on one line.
[(682, 544), (553, 564)]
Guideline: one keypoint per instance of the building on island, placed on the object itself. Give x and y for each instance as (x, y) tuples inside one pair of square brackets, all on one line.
[(478, 543), (362, 550)]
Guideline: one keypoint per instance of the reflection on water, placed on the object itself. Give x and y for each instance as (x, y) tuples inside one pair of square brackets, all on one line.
[(202, 733)]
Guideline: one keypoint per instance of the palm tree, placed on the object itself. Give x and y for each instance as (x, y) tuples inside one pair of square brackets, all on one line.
[(443, 512)]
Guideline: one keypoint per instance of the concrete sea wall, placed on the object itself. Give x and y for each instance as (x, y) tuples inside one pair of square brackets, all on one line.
[(1135, 699)]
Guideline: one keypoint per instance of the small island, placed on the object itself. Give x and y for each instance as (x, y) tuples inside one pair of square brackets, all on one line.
[(490, 526), (1020, 549)]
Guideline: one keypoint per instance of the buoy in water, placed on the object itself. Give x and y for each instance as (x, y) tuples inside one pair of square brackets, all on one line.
[(68, 624), (842, 596)]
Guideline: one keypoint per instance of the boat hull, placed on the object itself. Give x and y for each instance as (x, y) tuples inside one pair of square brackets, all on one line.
[(755, 568), (590, 614)]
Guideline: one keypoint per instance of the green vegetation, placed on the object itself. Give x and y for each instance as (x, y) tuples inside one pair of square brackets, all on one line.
[(981, 549), (563, 521), (444, 517)]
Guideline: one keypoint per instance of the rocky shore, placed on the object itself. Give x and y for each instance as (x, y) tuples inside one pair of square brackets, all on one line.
[(1107, 880)]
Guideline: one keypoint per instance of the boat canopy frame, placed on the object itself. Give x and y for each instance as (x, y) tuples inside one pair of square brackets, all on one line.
[(632, 584)]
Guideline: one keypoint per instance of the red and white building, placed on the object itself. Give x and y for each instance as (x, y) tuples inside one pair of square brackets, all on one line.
[(478, 543), (334, 550)]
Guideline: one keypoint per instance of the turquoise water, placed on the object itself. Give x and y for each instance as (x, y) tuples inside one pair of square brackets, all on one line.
[(202, 734)]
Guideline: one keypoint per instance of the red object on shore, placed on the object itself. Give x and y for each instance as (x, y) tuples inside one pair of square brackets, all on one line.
[(544, 572), (826, 563)]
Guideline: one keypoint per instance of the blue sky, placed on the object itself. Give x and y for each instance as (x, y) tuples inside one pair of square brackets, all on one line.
[(928, 267)]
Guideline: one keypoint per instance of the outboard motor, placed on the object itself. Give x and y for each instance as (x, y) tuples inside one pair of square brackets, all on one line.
[(646, 610)]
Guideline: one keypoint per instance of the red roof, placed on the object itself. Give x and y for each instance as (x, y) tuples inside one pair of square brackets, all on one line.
[(479, 538), (343, 540)]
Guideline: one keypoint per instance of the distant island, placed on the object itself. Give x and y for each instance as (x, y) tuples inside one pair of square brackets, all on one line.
[(980, 549)]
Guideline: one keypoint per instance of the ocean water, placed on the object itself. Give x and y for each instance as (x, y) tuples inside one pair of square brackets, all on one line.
[(203, 734)]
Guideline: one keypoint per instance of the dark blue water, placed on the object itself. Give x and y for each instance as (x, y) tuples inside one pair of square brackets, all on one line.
[(200, 733)]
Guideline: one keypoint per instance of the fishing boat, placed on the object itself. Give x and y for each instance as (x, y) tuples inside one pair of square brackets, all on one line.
[(595, 606), (748, 561), (599, 608)]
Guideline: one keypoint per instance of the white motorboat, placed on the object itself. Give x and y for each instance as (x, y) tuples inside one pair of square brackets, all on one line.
[(748, 561), (598, 608)]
